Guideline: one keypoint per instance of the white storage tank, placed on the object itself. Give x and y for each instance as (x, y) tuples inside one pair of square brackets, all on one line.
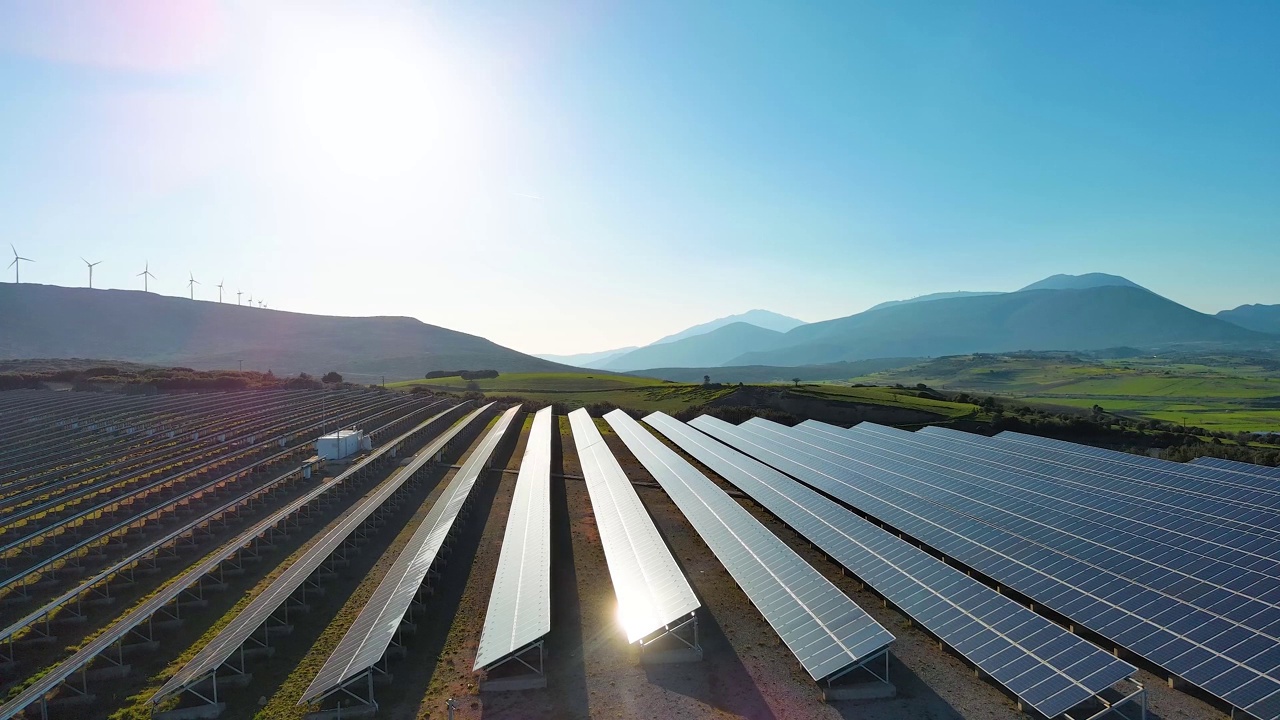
[(338, 445)]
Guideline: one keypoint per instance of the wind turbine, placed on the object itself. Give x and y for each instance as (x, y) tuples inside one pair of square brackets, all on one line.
[(238, 294), (250, 299), (86, 262), (17, 263), (191, 284), (220, 291), (146, 273)]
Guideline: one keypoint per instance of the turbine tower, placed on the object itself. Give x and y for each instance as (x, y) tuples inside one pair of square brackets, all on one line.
[(91, 264), (220, 291), (17, 263), (250, 299), (238, 294), (191, 284), (146, 273)]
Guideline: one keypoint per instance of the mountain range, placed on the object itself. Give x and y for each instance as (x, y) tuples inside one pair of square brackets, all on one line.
[(1063, 312), (1075, 313), (633, 358), (47, 321)]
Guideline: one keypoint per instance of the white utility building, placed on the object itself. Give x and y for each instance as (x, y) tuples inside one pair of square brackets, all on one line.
[(340, 444)]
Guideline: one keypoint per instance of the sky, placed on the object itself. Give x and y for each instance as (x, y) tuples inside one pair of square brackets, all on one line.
[(576, 176)]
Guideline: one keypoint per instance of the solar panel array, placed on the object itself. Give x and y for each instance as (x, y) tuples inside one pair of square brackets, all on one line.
[(260, 609), (1124, 588), (368, 638), (826, 631), (1043, 664), (1235, 465), (520, 605), (651, 590)]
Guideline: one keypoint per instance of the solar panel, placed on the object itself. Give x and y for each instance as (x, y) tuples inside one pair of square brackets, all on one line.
[(1242, 487), (1115, 518), (520, 605), (368, 638), (651, 590), (1237, 466), (826, 631), (1047, 667), (248, 620), (1225, 659), (1192, 497)]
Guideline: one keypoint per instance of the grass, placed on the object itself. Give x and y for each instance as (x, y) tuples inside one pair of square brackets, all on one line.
[(896, 397), (539, 382), (1224, 394)]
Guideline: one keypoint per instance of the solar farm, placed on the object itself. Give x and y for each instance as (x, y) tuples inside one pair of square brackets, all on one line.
[(191, 556)]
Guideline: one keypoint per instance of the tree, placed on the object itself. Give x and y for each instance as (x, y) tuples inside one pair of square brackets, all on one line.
[(796, 381), (331, 377)]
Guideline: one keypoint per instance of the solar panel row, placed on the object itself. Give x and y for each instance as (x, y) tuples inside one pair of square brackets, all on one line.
[(826, 631), (651, 590), (1236, 466), (368, 638), (1236, 487), (1224, 658), (519, 610), (264, 605), (1047, 667), (1098, 519), (1113, 496)]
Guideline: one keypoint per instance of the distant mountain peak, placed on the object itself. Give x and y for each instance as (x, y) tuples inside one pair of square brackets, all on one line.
[(766, 319), (1081, 282)]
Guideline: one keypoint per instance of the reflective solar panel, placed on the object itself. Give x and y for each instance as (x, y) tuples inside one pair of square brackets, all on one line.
[(651, 590), (368, 638), (1214, 652), (823, 628), (248, 620), (520, 605), (1047, 667)]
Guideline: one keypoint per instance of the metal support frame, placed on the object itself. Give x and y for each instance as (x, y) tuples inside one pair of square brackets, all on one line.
[(1137, 698), (518, 656), (674, 630), (864, 664)]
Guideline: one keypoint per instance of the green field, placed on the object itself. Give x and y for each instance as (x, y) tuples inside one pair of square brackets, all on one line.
[(580, 389), (890, 396), (1225, 394), (649, 395)]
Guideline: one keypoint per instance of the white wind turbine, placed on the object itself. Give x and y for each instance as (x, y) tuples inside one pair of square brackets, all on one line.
[(91, 264), (17, 263), (146, 273), (191, 284)]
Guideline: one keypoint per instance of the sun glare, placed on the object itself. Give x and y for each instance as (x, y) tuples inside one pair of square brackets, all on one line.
[(370, 101)]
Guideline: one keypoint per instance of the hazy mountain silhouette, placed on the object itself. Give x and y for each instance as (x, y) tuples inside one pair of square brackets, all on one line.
[(47, 321), (930, 297), (1262, 318), (707, 349), (1089, 319), (1081, 282), (587, 360), (760, 318)]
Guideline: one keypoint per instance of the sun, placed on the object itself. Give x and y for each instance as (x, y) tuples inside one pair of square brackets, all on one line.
[(366, 98)]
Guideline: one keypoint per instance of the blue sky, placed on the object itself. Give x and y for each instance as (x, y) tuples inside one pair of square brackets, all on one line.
[(565, 177)]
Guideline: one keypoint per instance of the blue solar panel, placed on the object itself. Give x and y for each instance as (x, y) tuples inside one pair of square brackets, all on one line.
[(1204, 649), (1040, 662), (1115, 516)]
